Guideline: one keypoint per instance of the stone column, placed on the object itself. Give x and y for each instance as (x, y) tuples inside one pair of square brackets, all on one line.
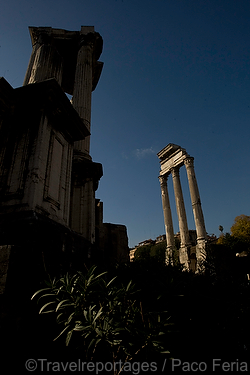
[(45, 61), (31, 63), (83, 87), (83, 207), (196, 204), (89, 49), (181, 212), (167, 218)]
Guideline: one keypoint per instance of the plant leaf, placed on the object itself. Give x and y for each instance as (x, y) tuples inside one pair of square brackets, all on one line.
[(39, 291), (60, 304), (61, 333), (47, 304), (68, 337)]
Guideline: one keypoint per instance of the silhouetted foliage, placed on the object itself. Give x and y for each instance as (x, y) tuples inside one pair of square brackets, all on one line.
[(201, 315)]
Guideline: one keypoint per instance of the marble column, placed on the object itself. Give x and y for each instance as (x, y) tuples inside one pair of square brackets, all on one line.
[(35, 47), (181, 212), (195, 198), (45, 61), (81, 101), (83, 208), (167, 218), (82, 92), (197, 210)]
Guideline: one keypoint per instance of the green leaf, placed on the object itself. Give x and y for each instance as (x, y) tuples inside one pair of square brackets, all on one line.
[(46, 295), (79, 328), (58, 318), (111, 281), (97, 315), (128, 286), (68, 337), (61, 333), (48, 311), (39, 291), (61, 303), (70, 317), (47, 304), (101, 274)]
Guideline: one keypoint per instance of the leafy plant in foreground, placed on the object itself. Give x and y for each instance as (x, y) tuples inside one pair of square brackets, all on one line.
[(103, 317)]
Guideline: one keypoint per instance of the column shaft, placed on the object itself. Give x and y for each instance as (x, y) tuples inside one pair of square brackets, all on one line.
[(195, 198), (181, 212), (82, 93), (45, 63), (167, 216), (31, 63), (180, 207)]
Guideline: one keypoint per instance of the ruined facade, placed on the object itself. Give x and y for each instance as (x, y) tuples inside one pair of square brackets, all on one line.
[(49, 215), (172, 158)]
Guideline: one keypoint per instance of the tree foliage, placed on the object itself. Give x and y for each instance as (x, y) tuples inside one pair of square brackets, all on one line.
[(156, 252), (239, 238), (241, 228)]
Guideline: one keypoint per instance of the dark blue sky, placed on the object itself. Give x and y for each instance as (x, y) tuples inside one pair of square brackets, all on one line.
[(174, 72)]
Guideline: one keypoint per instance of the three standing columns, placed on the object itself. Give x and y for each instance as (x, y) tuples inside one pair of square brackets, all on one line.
[(172, 158)]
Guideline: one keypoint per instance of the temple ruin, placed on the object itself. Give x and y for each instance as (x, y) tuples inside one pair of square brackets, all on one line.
[(172, 158), (50, 217)]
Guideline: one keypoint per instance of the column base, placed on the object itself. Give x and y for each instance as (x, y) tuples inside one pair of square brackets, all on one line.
[(183, 257), (169, 256), (200, 254)]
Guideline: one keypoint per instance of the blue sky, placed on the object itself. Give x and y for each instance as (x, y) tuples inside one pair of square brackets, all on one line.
[(175, 71)]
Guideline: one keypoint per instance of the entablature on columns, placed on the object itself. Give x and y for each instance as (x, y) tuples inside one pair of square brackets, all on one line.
[(171, 157), (67, 44)]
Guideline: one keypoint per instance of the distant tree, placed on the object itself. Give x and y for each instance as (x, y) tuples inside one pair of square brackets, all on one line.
[(221, 228), (142, 252), (158, 250), (155, 252), (241, 228), (239, 238)]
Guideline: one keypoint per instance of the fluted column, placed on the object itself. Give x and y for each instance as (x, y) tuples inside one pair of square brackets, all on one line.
[(167, 218), (31, 63), (45, 61), (82, 92), (195, 198), (198, 214), (181, 212)]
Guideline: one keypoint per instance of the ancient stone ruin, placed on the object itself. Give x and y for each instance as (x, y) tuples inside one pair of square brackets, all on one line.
[(50, 218), (172, 158)]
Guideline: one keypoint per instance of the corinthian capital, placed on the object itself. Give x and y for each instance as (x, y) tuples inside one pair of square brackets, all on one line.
[(93, 40), (189, 161), (163, 179)]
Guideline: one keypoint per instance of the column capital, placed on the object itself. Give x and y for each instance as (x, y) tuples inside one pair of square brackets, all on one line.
[(92, 40), (164, 178), (189, 161)]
